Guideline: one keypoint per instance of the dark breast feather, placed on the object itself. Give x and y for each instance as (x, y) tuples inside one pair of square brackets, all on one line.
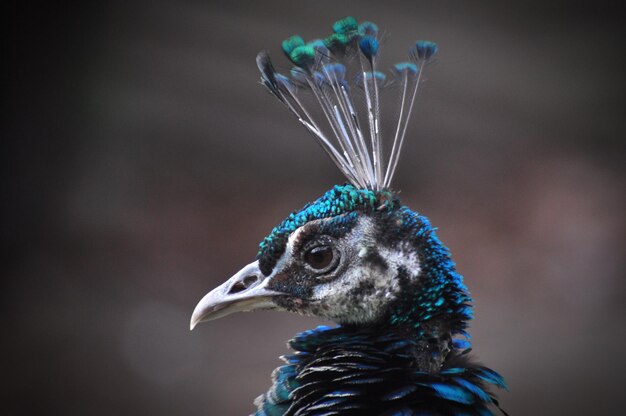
[(336, 371)]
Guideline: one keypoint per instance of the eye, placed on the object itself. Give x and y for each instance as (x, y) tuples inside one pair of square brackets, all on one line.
[(320, 258)]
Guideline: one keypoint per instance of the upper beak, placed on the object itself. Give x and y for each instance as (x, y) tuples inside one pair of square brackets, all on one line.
[(245, 291)]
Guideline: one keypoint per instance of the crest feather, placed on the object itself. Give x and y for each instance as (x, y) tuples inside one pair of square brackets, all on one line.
[(340, 73)]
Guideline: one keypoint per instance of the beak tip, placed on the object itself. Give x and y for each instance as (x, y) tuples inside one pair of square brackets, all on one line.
[(221, 302), (195, 320)]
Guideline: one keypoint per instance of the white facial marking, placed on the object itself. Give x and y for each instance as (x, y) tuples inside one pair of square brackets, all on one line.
[(280, 263), (361, 293)]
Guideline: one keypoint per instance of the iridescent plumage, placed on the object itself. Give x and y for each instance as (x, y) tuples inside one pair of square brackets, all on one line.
[(339, 371)]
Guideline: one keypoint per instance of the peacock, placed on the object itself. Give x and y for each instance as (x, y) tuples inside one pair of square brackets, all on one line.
[(357, 256)]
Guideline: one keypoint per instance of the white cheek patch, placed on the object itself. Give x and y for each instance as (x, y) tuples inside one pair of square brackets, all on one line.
[(403, 256), (361, 293), (358, 296)]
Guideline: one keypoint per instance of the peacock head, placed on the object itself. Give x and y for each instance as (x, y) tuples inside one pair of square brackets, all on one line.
[(356, 256)]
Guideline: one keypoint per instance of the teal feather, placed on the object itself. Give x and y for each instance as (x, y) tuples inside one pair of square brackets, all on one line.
[(405, 68), (291, 43), (346, 26), (303, 56)]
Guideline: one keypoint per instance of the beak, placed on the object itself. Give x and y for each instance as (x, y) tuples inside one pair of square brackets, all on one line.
[(245, 291)]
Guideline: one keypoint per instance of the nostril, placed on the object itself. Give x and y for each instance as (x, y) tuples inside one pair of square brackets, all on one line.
[(237, 287), (244, 284), (249, 280)]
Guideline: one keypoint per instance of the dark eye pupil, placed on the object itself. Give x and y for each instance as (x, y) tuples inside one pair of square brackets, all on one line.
[(319, 257)]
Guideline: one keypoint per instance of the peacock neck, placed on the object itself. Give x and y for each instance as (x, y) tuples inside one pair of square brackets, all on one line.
[(421, 350), (371, 370)]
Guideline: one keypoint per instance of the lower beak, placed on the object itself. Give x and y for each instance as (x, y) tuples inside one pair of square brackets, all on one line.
[(245, 291)]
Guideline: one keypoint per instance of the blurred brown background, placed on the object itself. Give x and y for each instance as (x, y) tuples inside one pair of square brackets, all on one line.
[(143, 164)]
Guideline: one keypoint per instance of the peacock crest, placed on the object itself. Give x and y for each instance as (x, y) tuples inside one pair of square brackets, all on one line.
[(340, 75)]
